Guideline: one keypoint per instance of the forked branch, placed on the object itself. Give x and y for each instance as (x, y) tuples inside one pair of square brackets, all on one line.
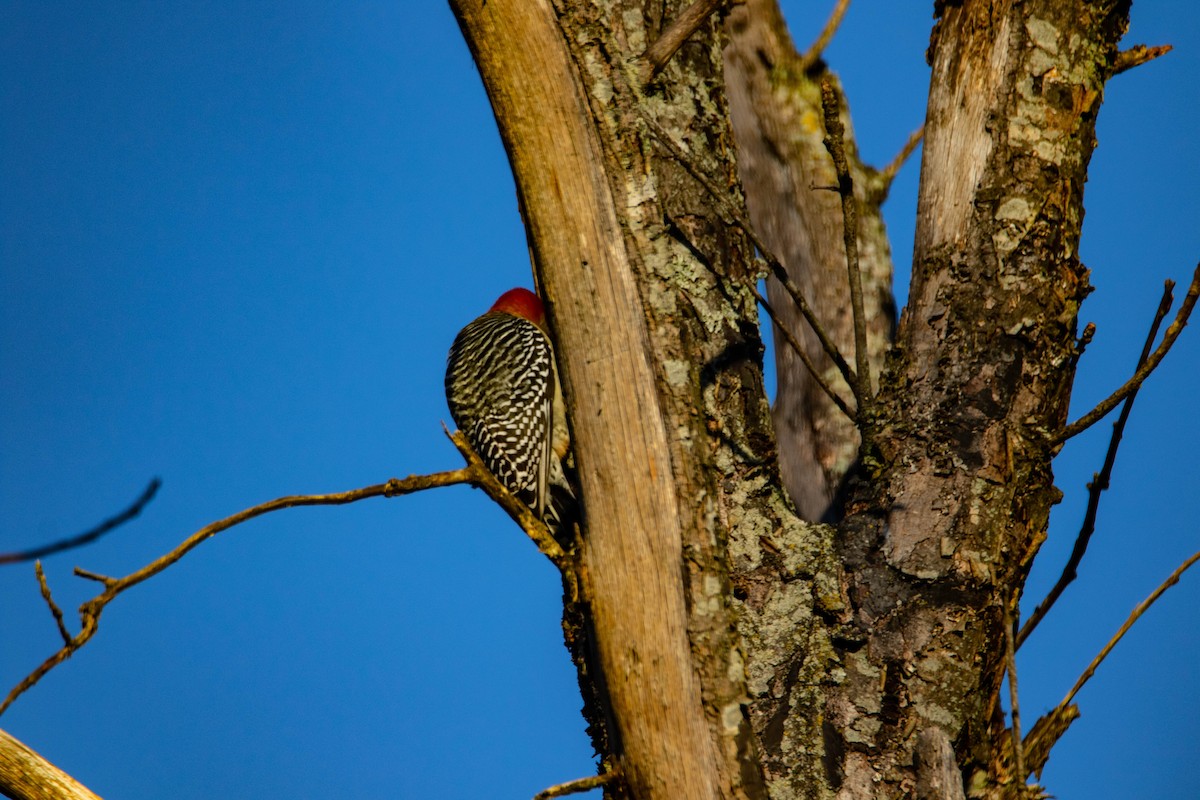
[(1109, 403), (475, 474)]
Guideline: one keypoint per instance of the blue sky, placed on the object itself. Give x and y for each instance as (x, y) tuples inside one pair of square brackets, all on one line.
[(236, 241)]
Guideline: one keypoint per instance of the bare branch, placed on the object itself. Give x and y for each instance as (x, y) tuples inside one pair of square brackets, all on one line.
[(26, 775), (475, 473), (88, 536), (1045, 734), (882, 180), (804, 359), (1139, 377), (1137, 55), (522, 514), (54, 609), (1085, 339), (1010, 660), (773, 263), (837, 151), (658, 55), (1142, 607), (826, 36), (1100, 481), (576, 786)]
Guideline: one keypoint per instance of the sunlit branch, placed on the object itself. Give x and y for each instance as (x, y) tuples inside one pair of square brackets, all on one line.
[(576, 786), (475, 474), (1139, 54), (1141, 609), (826, 36)]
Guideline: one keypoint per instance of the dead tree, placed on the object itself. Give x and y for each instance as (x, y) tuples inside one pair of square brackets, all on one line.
[(825, 602)]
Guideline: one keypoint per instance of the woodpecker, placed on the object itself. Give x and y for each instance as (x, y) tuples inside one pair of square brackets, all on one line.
[(503, 391)]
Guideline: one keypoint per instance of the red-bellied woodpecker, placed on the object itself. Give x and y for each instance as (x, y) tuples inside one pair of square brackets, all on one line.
[(503, 392)]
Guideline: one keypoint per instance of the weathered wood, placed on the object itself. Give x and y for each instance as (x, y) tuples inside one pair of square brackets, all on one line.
[(651, 568), (25, 775)]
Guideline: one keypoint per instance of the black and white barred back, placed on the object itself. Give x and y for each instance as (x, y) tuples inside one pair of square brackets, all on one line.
[(500, 384)]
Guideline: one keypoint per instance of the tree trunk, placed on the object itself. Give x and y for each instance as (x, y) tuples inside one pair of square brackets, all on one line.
[(727, 648)]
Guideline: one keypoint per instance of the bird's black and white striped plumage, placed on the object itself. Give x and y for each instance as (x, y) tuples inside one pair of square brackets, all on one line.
[(501, 389)]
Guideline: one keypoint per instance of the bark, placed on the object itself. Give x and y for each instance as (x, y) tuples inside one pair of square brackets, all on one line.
[(727, 648), (957, 486), (651, 304)]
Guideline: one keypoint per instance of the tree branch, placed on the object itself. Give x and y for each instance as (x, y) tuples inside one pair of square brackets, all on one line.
[(88, 536), (834, 129), (1010, 660), (1100, 481), (773, 263), (1137, 55), (26, 775), (804, 359), (55, 611), (1141, 608), (881, 182), (576, 786), (1139, 377), (475, 474), (826, 36), (1084, 340), (658, 55)]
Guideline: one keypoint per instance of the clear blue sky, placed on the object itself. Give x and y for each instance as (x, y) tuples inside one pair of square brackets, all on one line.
[(236, 241)]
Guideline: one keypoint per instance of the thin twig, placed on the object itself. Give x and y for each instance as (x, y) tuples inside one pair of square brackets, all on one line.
[(88, 536), (1133, 617), (1100, 481), (1109, 403), (575, 786), (804, 359), (837, 151), (1010, 659), (1137, 55), (881, 184), (658, 55), (54, 609), (475, 474), (777, 269), (826, 36)]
